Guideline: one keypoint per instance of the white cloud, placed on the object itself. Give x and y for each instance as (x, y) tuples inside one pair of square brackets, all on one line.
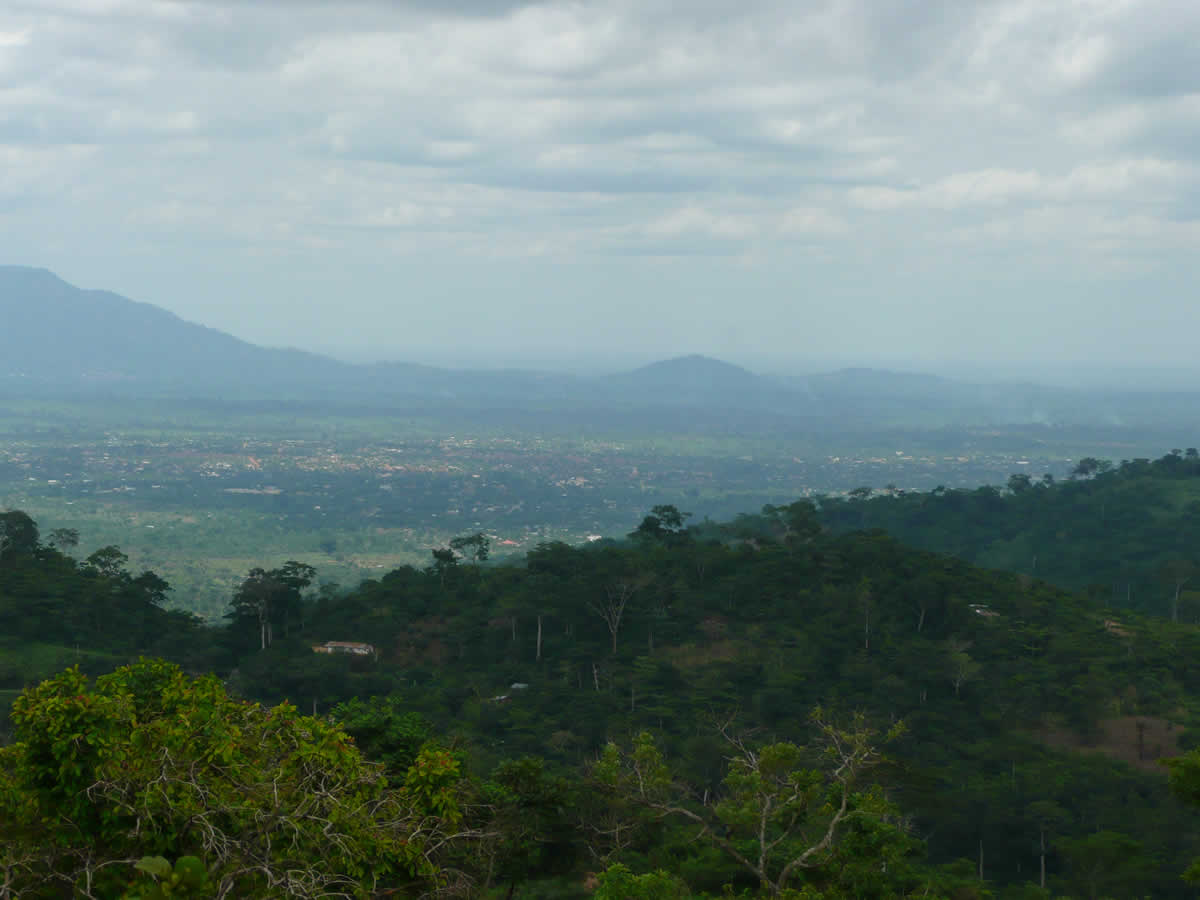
[(812, 221), (696, 220), (14, 38), (589, 133)]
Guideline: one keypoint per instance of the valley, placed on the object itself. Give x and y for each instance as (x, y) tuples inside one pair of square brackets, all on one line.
[(200, 497)]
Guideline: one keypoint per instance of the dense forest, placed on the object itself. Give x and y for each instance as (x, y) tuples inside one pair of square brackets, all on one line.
[(782, 705), (1127, 533)]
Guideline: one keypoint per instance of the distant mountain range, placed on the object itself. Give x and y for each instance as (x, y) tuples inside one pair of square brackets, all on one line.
[(54, 336)]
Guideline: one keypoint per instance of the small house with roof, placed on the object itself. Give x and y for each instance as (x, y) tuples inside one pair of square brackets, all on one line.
[(354, 648)]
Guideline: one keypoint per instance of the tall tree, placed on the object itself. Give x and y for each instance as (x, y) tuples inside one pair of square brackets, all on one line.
[(610, 605), (474, 547), (267, 599), (18, 534), (1177, 572), (783, 807)]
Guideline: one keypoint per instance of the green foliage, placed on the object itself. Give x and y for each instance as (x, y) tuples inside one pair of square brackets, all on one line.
[(617, 882), (784, 810), (1105, 864), (384, 729), (664, 524), (1185, 784), (508, 683), (148, 758), (270, 601), (1123, 532), (186, 880), (97, 605), (474, 547), (531, 826)]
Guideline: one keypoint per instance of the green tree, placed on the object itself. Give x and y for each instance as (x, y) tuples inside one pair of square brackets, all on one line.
[(107, 561), (18, 534), (385, 729), (159, 880), (1184, 780), (1177, 572), (148, 760), (267, 599), (783, 807), (474, 547), (1019, 483), (529, 831), (1106, 864), (799, 521), (617, 882), (665, 524), (64, 539)]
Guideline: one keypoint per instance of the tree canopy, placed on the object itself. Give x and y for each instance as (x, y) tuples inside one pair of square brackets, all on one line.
[(148, 761)]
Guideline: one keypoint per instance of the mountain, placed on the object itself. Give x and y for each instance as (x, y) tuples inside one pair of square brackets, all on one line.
[(698, 382), (57, 336), (694, 372), (58, 333)]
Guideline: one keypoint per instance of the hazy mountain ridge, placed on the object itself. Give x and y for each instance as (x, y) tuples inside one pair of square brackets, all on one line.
[(58, 335), (56, 332)]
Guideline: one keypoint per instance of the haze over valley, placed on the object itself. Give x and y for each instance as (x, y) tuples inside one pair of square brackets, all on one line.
[(200, 453)]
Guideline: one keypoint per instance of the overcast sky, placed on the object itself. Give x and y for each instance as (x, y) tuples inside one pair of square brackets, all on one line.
[(1008, 181)]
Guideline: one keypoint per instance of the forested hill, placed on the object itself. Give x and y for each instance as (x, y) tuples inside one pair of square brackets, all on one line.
[(1032, 717), (57, 611), (1128, 534)]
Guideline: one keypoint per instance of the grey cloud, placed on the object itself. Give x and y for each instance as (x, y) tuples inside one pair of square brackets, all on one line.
[(426, 135), (1156, 55)]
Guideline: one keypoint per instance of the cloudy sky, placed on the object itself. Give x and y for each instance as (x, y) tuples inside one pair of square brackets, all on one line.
[(924, 181)]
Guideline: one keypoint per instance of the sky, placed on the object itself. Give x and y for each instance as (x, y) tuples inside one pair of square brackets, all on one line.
[(1010, 183)]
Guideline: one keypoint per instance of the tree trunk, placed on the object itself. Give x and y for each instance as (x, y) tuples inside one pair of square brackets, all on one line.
[(538, 657), (514, 629), (921, 620), (1042, 882)]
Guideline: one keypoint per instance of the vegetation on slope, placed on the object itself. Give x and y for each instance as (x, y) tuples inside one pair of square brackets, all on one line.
[(1034, 720), (1128, 534)]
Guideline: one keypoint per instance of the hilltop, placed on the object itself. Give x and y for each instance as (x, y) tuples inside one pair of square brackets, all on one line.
[(59, 337), (55, 332), (1128, 533)]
